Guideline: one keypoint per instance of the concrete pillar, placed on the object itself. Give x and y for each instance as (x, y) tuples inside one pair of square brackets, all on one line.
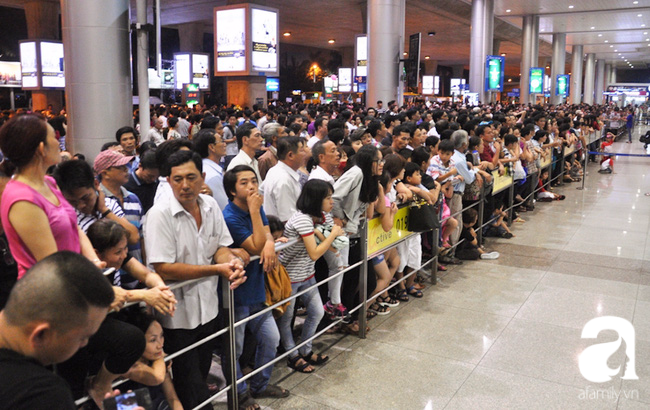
[(98, 72), (599, 87), (534, 43), (608, 75), (246, 91), (385, 45), (481, 36), (496, 46), (191, 37), (557, 64), (590, 69), (42, 18), (526, 57), (613, 79), (576, 74)]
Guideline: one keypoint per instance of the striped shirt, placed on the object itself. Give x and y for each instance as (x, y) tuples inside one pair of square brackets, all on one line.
[(132, 209), (84, 221), (295, 258)]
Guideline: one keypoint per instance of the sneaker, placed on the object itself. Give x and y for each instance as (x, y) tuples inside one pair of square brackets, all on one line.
[(337, 312), (490, 255)]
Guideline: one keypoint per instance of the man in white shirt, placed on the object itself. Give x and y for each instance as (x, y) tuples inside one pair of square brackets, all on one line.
[(321, 131), (327, 159), (187, 238), (155, 133), (249, 140), (281, 188), (210, 146), (183, 125)]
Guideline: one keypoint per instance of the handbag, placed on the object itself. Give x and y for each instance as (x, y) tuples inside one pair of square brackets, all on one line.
[(422, 216), (278, 287)]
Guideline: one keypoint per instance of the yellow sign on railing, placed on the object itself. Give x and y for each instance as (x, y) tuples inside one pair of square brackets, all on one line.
[(379, 239), (501, 182), (545, 162), (569, 150)]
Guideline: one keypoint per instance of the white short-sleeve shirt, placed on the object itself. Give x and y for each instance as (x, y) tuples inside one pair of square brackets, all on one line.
[(171, 236)]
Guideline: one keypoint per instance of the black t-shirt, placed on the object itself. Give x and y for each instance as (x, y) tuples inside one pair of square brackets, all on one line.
[(26, 384), (467, 243), (144, 192), (428, 182)]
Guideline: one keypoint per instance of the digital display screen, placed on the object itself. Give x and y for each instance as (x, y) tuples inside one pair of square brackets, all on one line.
[(264, 27), (29, 71), (166, 82), (362, 56), (562, 85), (436, 85), (494, 73), (536, 80), (10, 75), (345, 80), (182, 70), (231, 40), (52, 71), (201, 71), (427, 84), (272, 84)]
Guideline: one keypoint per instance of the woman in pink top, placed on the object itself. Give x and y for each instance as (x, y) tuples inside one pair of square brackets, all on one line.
[(36, 218)]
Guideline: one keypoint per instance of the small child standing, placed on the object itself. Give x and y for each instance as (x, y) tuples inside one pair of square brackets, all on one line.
[(468, 247)]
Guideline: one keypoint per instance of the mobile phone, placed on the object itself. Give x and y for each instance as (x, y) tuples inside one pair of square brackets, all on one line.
[(139, 398)]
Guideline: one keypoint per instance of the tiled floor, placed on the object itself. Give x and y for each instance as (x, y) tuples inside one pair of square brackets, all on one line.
[(506, 334)]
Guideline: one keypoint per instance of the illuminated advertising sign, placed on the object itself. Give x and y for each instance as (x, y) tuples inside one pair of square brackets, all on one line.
[(562, 85), (201, 70), (345, 80), (166, 81), (457, 85), (272, 84), (494, 73), (230, 35), (536, 80), (52, 65), (28, 67), (361, 52), (182, 70), (191, 94), (264, 36), (10, 75), (436, 85), (427, 84)]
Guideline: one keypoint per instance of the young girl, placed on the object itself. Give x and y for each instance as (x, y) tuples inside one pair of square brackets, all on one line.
[(314, 201), (151, 371)]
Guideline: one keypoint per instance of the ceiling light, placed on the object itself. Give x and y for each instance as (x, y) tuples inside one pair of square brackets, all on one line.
[(570, 7), (642, 25), (426, 57), (406, 54), (331, 41), (616, 51), (611, 46), (635, 2), (286, 33), (503, 54), (606, 41), (645, 33), (508, 11), (509, 80)]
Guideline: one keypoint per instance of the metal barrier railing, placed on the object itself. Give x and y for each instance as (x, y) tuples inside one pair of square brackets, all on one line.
[(228, 296)]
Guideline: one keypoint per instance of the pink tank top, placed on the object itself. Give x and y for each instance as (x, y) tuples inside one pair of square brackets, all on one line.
[(63, 221)]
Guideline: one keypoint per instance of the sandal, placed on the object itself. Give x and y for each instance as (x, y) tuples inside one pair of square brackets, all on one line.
[(402, 296), (320, 359), (387, 301), (370, 314), (304, 367), (353, 329), (272, 391), (419, 286), (378, 309), (416, 293), (442, 268), (246, 402)]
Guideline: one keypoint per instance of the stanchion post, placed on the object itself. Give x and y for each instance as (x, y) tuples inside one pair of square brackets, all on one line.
[(561, 176), (585, 154), (511, 201), (434, 253), (481, 210), (363, 277), (231, 349)]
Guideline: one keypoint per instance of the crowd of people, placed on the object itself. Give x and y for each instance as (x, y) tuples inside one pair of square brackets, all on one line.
[(209, 193)]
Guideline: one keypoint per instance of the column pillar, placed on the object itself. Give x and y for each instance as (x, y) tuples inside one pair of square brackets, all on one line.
[(613, 79), (590, 68), (557, 64), (599, 87), (608, 74), (191, 37), (534, 43), (576, 74), (42, 18), (481, 37), (98, 72), (527, 56), (385, 45)]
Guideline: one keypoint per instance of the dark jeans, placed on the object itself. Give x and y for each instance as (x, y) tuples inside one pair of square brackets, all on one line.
[(350, 286), (191, 368)]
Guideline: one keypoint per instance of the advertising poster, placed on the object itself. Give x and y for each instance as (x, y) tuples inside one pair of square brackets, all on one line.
[(29, 71), (201, 71), (264, 27), (427, 85), (231, 40), (562, 85), (165, 82), (536, 80), (436, 85), (10, 75), (182, 70), (272, 84), (362, 56), (53, 75), (345, 80), (494, 73)]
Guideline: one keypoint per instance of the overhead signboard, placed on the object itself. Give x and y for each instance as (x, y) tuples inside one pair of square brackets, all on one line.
[(272, 84), (164, 82), (427, 84), (265, 40), (536, 80), (361, 53), (345, 80), (10, 75), (562, 85), (494, 66), (230, 44), (28, 64), (201, 70), (413, 69), (182, 70), (436, 85), (52, 72), (457, 85)]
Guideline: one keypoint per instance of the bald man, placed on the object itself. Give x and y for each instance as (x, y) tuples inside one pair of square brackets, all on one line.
[(51, 313)]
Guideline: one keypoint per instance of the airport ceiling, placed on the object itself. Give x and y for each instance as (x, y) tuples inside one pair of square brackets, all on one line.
[(615, 30)]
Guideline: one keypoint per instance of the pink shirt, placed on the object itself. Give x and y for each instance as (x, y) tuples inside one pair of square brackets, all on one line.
[(63, 221)]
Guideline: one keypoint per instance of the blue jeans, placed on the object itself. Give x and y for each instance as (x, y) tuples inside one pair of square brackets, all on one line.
[(268, 339), (629, 134), (315, 313)]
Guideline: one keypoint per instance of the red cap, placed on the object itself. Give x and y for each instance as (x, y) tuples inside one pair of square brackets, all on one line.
[(110, 158)]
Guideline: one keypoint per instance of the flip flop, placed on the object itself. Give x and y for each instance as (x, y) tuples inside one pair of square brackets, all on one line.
[(272, 391)]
